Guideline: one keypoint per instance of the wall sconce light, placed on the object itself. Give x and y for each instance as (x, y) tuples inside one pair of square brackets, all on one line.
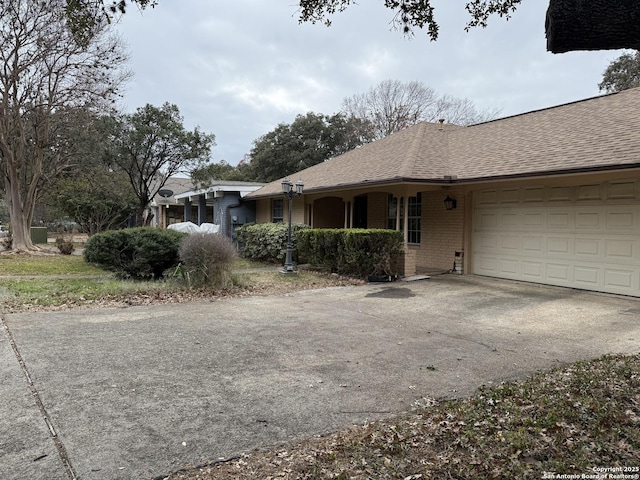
[(450, 203)]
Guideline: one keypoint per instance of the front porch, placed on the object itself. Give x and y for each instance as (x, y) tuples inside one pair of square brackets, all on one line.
[(432, 233)]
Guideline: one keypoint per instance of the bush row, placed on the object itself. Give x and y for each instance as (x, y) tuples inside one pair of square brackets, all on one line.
[(267, 242), (356, 252), (206, 259)]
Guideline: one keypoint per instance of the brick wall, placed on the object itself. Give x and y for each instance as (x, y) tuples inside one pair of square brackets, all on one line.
[(263, 210), (328, 213), (377, 210), (298, 214), (442, 230)]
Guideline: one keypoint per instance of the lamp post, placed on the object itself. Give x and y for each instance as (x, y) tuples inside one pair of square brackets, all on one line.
[(288, 191)]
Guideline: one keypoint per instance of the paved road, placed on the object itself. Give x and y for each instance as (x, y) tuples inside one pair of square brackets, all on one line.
[(143, 391)]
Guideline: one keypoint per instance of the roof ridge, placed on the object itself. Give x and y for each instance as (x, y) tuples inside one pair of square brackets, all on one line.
[(553, 107), (409, 162)]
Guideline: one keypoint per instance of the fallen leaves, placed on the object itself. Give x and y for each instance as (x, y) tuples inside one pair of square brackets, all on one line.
[(261, 283), (549, 423)]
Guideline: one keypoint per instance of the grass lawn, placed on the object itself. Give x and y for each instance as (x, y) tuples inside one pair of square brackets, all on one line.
[(51, 282), (18, 264)]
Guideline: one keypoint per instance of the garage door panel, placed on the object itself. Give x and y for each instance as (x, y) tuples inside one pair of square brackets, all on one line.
[(620, 249), (590, 192), (533, 194), (621, 220), (488, 197), (509, 195), (509, 220), (623, 190), (588, 277), (533, 219), (487, 265), (487, 243), (559, 272), (532, 245), (618, 278), (510, 243), (566, 236), (559, 220), (560, 194), (559, 246), (533, 271), (487, 221), (588, 248), (509, 267), (589, 219)]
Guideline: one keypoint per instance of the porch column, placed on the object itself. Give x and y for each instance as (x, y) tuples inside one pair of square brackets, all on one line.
[(162, 210), (346, 214), (352, 211), (398, 200), (187, 210), (202, 209), (405, 228)]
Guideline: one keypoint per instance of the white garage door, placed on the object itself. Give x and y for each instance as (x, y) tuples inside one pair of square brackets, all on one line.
[(585, 236)]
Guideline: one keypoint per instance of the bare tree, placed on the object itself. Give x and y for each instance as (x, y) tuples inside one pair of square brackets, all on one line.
[(392, 106), (48, 83)]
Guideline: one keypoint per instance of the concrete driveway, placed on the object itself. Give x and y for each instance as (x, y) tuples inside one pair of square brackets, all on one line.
[(143, 391)]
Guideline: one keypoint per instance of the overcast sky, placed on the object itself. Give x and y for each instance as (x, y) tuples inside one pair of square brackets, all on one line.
[(238, 68)]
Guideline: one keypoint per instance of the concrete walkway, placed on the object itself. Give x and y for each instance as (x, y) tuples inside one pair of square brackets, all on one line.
[(143, 391)]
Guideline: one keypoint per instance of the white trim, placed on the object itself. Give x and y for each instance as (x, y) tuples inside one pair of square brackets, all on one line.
[(210, 192)]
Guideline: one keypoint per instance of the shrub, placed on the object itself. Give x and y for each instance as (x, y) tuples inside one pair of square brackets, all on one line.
[(267, 242), (65, 246), (319, 247), (7, 241), (136, 252), (206, 259), (357, 252)]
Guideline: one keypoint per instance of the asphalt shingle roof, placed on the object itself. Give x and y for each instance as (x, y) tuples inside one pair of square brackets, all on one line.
[(597, 133)]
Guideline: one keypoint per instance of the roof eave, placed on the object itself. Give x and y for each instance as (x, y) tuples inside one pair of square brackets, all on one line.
[(362, 185), (453, 180), (550, 173)]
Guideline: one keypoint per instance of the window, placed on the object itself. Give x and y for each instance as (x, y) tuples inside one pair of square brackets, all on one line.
[(392, 209), (277, 211), (414, 217)]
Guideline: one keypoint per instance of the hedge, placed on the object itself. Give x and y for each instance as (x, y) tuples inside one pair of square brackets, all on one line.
[(267, 242), (356, 252)]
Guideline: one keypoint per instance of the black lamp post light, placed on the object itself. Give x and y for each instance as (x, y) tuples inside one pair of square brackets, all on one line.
[(288, 191)]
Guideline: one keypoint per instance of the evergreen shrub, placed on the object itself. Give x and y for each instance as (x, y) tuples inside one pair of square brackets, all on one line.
[(267, 242), (140, 253), (356, 252)]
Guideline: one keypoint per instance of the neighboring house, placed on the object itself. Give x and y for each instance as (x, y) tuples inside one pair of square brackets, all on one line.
[(551, 196), (166, 209), (220, 203)]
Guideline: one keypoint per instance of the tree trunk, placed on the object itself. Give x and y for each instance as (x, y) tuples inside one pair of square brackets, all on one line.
[(592, 25), (20, 220)]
